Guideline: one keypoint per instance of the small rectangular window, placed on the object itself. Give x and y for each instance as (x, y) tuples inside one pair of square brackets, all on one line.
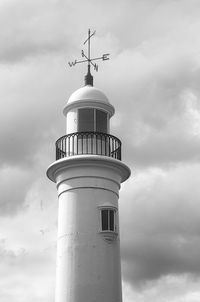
[(108, 220)]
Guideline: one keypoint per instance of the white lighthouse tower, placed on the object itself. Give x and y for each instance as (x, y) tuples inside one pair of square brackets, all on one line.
[(88, 172)]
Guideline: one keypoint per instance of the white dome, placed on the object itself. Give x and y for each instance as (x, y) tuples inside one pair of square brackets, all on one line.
[(88, 96), (88, 93)]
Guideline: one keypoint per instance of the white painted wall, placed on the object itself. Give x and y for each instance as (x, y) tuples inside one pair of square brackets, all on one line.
[(88, 266), (71, 121)]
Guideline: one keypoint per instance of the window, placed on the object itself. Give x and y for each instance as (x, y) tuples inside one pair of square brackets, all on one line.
[(85, 119), (101, 121), (108, 220), (90, 119)]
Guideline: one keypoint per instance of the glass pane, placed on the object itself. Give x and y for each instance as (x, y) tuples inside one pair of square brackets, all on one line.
[(101, 121), (111, 213), (104, 220), (85, 120)]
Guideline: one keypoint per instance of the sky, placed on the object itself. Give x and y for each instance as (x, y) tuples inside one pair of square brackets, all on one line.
[(153, 81)]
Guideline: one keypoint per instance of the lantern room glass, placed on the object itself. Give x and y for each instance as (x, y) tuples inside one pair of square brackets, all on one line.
[(91, 119), (85, 120)]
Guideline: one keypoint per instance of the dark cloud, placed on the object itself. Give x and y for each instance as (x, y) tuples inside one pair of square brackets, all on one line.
[(160, 225), (161, 150), (28, 115), (152, 258), (27, 134), (160, 111)]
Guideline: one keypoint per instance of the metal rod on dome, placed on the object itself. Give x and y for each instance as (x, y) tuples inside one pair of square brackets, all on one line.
[(89, 77), (89, 47), (104, 57)]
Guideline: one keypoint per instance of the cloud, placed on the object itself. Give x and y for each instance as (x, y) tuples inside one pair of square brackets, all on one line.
[(160, 224), (28, 257), (28, 110), (158, 103), (27, 130), (36, 29), (21, 270), (171, 288), (15, 183), (30, 29)]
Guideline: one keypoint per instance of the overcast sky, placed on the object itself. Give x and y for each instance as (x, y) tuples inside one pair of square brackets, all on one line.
[(153, 80)]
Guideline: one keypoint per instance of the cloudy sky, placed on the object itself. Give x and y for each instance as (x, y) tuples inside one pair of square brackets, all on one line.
[(153, 80)]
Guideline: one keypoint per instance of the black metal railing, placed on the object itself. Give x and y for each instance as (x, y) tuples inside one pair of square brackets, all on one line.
[(88, 143)]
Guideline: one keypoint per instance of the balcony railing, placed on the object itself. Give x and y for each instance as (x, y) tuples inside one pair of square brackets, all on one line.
[(88, 143)]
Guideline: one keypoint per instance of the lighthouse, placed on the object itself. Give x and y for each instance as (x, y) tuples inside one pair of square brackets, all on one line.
[(88, 172)]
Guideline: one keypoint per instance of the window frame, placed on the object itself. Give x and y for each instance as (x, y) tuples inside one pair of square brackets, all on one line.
[(108, 235), (94, 118), (110, 228)]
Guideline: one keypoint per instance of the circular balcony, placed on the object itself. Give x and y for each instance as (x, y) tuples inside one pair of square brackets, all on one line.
[(88, 143)]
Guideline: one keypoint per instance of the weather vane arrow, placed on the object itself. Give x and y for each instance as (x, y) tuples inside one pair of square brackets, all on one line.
[(89, 60)]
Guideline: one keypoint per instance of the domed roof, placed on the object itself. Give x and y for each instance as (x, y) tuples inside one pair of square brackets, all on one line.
[(88, 96), (88, 93)]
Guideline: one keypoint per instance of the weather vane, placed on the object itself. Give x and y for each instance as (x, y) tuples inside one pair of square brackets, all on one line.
[(87, 58)]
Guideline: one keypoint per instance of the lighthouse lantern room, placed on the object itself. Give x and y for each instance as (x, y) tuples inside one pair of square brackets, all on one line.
[(88, 172)]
